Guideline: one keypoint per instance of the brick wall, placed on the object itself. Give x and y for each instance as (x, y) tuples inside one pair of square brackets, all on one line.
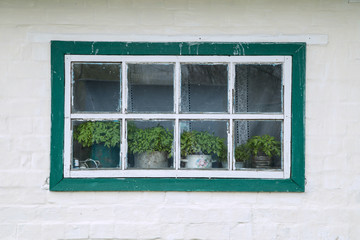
[(330, 207)]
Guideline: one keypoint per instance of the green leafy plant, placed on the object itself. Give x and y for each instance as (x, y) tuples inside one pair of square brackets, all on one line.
[(149, 139), (263, 145), (97, 132), (242, 153), (195, 142)]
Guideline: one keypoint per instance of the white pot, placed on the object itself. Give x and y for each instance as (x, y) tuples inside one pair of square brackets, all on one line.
[(239, 165), (198, 161), (151, 160)]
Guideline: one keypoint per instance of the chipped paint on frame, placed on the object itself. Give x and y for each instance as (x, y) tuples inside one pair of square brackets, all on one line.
[(294, 183)]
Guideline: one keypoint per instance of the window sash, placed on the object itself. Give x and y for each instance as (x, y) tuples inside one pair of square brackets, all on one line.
[(285, 117)]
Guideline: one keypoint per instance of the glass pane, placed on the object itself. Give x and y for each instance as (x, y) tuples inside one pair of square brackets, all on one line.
[(150, 144), (204, 88), (151, 88), (258, 144), (203, 144), (258, 88), (96, 87), (96, 144)]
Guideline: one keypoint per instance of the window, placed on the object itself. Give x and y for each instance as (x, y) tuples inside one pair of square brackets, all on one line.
[(177, 116)]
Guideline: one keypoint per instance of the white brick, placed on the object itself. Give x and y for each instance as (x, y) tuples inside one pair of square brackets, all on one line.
[(40, 160), (172, 231), (201, 231), (28, 231), (231, 214), (53, 230), (173, 215), (327, 210), (163, 17), (21, 126), (77, 231), (241, 231), (96, 212), (22, 197), (102, 230), (8, 231), (17, 214), (149, 231), (126, 230)]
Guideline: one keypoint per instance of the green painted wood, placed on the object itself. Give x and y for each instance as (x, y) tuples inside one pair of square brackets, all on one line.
[(57, 115), (298, 117), (296, 183), (169, 184)]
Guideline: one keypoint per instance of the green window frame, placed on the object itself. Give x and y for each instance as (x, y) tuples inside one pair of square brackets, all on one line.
[(296, 181)]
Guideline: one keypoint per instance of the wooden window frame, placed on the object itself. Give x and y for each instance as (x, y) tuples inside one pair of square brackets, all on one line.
[(61, 180)]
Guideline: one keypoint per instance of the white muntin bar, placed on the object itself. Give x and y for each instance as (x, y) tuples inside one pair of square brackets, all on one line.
[(177, 88), (196, 116), (230, 140), (123, 152), (177, 104), (124, 84)]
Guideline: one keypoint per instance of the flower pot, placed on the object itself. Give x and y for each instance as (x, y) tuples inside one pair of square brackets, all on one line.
[(151, 160), (262, 162), (108, 157), (239, 165), (198, 161)]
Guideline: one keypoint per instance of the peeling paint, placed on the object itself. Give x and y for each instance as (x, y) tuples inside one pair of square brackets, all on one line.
[(92, 47), (180, 48), (239, 49)]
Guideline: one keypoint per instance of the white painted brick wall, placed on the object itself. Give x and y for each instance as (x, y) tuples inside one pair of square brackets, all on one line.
[(328, 210)]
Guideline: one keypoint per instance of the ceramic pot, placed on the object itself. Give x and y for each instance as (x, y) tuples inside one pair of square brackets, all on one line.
[(108, 157), (198, 161), (262, 162), (151, 160)]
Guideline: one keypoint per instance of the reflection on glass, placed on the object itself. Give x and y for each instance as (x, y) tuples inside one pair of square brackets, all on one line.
[(151, 87), (96, 144), (258, 144), (258, 88), (150, 144), (96, 87), (204, 88), (203, 144)]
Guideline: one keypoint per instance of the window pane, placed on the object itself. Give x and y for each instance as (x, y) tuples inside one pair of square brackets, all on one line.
[(258, 88), (258, 144), (150, 144), (203, 144), (151, 87), (204, 88), (96, 87), (96, 144)]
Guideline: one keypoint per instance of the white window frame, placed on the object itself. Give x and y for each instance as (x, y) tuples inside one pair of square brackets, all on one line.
[(176, 172)]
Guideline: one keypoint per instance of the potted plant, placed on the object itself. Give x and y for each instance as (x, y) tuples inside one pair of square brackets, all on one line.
[(242, 155), (199, 147), (151, 146), (103, 137), (263, 149)]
